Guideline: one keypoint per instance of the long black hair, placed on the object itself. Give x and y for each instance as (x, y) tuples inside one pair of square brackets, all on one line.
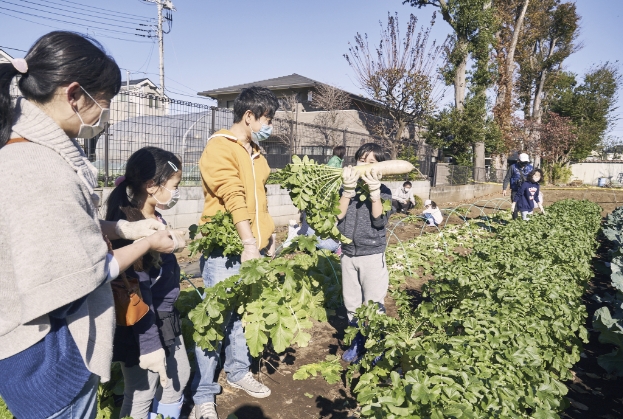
[(57, 59), (144, 165)]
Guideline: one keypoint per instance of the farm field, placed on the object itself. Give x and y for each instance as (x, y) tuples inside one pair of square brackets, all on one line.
[(592, 392)]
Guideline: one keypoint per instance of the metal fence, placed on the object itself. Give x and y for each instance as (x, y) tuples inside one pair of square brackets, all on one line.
[(138, 120), (447, 174)]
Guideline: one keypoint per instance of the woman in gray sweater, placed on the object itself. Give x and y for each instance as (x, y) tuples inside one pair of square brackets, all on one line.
[(57, 312)]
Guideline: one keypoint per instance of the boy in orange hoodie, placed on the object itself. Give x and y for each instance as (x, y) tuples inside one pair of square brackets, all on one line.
[(234, 175)]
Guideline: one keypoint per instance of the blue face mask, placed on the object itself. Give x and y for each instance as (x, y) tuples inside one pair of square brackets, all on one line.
[(262, 134)]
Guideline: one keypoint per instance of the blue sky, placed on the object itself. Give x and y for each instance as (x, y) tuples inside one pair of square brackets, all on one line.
[(220, 43)]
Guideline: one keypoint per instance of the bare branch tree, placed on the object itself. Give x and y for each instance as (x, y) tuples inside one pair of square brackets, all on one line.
[(330, 101), (287, 127), (401, 74)]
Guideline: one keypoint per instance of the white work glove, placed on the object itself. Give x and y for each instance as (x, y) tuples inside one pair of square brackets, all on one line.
[(373, 180), (250, 250), (179, 240), (503, 192), (513, 206), (349, 182), (156, 362), (137, 229)]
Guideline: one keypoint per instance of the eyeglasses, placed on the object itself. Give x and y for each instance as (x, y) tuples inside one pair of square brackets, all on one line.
[(174, 167)]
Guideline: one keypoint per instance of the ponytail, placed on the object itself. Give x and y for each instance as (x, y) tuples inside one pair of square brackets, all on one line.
[(118, 199), (7, 73)]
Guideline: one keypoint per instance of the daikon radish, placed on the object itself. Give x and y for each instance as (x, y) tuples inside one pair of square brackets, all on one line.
[(386, 168)]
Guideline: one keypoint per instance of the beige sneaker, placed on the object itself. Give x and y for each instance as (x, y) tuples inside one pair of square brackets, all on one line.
[(253, 387), (203, 411)]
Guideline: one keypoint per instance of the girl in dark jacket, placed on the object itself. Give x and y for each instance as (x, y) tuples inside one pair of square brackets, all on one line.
[(528, 195), (152, 350)]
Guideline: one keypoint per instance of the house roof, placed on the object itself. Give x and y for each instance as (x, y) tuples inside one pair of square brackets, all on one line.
[(137, 82), (293, 80)]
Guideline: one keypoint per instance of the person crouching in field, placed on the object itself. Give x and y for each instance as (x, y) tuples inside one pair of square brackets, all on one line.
[(364, 272), (403, 199), (528, 194), (152, 350), (432, 213)]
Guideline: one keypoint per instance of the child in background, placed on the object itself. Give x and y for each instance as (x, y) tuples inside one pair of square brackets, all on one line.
[(364, 272), (151, 351), (432, 213), (338, 157), (528, 195)]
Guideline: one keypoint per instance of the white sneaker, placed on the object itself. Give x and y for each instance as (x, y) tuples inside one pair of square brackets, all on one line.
[(203, 411), (253, 387)]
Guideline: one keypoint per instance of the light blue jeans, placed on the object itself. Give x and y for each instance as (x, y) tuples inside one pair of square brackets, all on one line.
[(204, 387), (429, 218), (84, 406)]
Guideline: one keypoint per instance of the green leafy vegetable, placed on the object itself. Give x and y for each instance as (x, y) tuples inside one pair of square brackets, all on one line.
[(218, 232)]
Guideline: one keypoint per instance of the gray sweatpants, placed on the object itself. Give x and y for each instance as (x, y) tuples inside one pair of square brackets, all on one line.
[(364, 278), (142, 386)]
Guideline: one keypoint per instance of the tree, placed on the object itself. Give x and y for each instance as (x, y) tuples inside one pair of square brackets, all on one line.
[(590, 105), (550, 31), (473, 23), (511, 15), (400, 75), (456, 132), (331, 101), (288, 126)]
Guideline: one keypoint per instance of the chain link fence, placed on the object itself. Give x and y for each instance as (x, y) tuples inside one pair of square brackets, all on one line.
[(138, 120)]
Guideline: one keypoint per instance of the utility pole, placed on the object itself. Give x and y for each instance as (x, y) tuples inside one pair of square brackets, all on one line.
[(168, 6), (161, 46)]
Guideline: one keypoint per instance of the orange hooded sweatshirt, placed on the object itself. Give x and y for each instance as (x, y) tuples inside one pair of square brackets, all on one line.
[(234, 181)]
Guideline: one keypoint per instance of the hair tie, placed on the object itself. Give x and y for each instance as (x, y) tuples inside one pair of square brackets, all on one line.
[(119, 180), (20, 65)]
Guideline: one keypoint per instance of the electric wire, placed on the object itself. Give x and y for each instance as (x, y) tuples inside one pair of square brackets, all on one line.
[(69, 17), (56, 27), (99, 8), (15, 49), (56, 8), (68, 22)]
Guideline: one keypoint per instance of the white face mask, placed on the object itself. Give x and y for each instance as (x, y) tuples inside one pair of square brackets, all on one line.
[(91, 131), (175, 196)]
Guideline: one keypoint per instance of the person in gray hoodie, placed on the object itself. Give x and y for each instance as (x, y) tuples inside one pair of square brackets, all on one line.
[(57, 313), (364, 271)]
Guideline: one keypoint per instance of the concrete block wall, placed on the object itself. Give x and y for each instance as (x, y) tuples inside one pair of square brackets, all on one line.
[(445, 194), (190, 206)]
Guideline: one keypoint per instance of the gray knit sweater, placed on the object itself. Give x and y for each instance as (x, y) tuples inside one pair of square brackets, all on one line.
[(51, 247)]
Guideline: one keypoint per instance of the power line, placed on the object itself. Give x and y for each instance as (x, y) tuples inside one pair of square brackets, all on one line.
[(14, 49), (69, 17), (56, 27), (57, 7), (99, 8), (70, 23)]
